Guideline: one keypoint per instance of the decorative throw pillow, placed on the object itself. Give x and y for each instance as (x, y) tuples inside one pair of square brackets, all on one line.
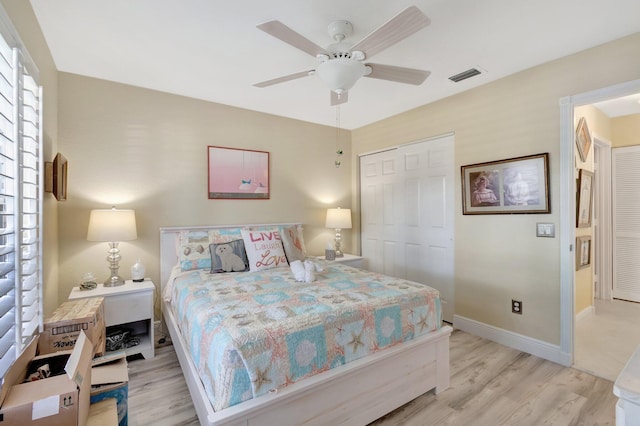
[(264, 249), (194, 250), (194, 246), (296, 230), (293, 243), (228, 257)]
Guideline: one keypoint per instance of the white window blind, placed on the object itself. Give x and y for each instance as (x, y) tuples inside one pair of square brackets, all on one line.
[(21, 184)]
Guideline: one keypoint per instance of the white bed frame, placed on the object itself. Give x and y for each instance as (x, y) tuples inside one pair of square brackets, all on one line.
[(355, 393)]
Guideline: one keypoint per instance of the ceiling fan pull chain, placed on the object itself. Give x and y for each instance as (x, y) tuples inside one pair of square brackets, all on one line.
[(338, 149)]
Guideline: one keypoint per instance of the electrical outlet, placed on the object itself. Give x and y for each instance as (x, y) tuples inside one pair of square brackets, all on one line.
[(516, 306)]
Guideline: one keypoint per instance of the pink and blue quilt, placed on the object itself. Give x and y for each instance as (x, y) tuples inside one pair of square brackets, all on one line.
[(253, 332)]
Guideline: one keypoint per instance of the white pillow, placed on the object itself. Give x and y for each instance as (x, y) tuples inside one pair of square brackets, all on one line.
[(293, 243), (264, 249)]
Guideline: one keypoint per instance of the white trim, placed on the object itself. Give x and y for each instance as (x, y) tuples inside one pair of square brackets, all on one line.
[(567, 202), (603, 224), (430, 138), (364, 154), (567, 228), (11, 36), (513, 340), (587, 312)]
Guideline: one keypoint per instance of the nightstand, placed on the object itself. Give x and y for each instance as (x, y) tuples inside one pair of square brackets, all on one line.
[(129, 306), (349, 259)]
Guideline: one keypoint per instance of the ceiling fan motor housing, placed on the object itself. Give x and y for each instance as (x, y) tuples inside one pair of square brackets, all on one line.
[(339, 30), (340, 74)]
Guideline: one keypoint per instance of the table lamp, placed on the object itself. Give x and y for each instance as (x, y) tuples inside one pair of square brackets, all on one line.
[(338, 219), (112, 226)]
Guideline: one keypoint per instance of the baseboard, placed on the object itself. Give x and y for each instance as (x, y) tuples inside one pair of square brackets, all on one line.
[(585, 313), (513, 340)]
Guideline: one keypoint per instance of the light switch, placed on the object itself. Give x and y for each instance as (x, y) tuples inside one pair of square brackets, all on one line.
[(547, 230)]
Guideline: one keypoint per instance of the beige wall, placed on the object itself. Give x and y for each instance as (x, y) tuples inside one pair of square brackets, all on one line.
[(499, 257), (24, 20), (626, 130), (599, 126), (147, 150)]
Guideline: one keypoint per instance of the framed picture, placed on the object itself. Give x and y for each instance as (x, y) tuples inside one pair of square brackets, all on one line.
[(583, 252), (238, 173), (516, 185), (583, 139), (584, 197), (55, 180)]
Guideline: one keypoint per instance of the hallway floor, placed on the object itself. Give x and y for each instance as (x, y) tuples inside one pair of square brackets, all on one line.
[(605, 341)]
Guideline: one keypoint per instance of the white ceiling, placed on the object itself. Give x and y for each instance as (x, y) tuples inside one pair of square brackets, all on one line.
[(618, 107), (212, 50)]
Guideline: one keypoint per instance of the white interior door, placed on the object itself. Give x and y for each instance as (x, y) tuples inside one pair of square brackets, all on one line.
[(407, 214), (626, 223)]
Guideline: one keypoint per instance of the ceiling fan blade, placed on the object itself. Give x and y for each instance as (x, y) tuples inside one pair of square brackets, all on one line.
[(286, 34), (399, 74), (283, 79), (398, 28), (339, 99)]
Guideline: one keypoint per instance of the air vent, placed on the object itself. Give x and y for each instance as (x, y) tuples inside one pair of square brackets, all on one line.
[(464, 75)]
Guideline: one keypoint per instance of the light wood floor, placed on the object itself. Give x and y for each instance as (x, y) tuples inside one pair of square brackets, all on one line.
[(605, 340), (490, 385)]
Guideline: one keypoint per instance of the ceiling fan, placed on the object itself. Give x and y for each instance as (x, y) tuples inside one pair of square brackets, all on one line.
[(341, 65)]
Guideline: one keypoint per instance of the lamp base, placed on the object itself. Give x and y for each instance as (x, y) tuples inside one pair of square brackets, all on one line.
[(338, 241), (113, 281), (114, 260)]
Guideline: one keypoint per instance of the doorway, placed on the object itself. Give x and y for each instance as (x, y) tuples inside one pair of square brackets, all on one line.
[(567, 206), (607, 335)]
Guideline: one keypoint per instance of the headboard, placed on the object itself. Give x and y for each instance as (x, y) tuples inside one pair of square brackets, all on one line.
[(170, 238)]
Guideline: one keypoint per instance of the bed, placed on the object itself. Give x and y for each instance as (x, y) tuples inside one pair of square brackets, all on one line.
[(382, 376)]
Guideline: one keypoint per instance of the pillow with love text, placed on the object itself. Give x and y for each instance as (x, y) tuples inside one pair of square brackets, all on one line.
[(264, 249)]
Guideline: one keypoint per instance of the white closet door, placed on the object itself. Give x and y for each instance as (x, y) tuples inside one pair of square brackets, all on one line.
[(407, 214), (379, 192), (626, 223)]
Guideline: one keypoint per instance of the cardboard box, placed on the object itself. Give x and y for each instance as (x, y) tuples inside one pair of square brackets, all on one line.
[(62, 328), (110, 379), (57, 400), (103, 413)]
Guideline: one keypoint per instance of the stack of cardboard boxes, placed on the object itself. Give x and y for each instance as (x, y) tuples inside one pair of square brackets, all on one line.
[(57, 386), (63, 327)]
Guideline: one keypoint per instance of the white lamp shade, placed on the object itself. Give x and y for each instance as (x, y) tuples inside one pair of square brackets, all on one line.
[(112, 225), (338, 218)]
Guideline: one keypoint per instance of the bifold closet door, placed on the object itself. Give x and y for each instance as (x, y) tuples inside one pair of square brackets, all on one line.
[(407, 214), (626, 223)]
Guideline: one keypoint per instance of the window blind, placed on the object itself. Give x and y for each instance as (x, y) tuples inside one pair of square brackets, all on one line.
[(21, 195), (8, 186)]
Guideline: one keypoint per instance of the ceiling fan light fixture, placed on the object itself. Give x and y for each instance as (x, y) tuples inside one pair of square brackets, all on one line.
[(339, 75)]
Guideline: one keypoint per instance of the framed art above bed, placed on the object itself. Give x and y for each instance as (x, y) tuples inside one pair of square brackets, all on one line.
[(238, 173)]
